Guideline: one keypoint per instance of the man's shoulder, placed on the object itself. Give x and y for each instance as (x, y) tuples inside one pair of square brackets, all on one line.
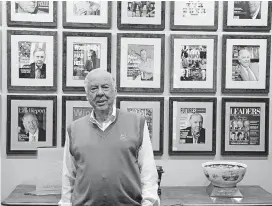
[(81, 120)]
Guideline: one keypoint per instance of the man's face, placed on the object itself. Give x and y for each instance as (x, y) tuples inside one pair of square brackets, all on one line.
[(27, 6), (244, 58), (143, 54), (39, 58), (100, 92), (30, 123), (196, 123), (253, 6)]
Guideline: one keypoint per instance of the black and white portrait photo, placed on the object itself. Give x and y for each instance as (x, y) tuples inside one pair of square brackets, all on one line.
[(141, 9), (86, 8), (32, 7), (247, 10)]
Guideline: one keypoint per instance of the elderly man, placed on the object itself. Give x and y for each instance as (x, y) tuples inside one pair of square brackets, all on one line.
[(108, 156), (247, 71)]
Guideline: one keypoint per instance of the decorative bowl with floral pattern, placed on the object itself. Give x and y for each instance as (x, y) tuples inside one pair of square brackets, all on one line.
[(224, 174)]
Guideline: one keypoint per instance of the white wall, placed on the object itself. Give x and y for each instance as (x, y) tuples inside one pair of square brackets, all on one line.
[(181, 170)]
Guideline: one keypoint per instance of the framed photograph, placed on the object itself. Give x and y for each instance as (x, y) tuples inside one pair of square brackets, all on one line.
[(73, 108), (192, 126), (31, 123), (246, 63), (32, 60), (247, 16), (193, 63), (245, 126), (32, 13), (194, 15), (140, 62), (83, 52), (87, 14), (152, 108), (141, 15)]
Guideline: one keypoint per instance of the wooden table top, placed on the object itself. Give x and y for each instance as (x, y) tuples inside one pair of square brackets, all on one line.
[(171, 196)]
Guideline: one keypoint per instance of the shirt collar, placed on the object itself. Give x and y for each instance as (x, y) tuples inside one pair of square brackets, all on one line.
[(112, 117)]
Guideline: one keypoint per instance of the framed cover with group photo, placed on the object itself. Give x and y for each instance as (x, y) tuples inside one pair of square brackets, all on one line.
[(247, 16), (192, 126), (152, 108), (31, 123), (194, 15), (245, 126), (73, 108), (140, 62), (83, 52), (32, 13), (193, 63), (141, 15), (31, 60), (87, 14), (246, 63)]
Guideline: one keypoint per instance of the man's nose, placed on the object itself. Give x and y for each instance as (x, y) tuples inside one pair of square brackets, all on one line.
[(100, 91)]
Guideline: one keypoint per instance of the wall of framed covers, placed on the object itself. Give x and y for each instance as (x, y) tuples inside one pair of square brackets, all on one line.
[(192, 68)]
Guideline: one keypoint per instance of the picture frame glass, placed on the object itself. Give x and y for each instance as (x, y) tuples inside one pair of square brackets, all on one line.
[(140, 54), (190, 118), (135, 12), (242, 54), (32, 11), (245, 126)]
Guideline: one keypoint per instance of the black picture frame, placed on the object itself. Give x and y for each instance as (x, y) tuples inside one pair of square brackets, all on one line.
[(212, 78), (119, 66), (74, 88), (246, 150), (160, 123), (77, 25), (37, 87), (139, 26), (243, 28), (38, 100), (189, 100), (266, 74), (39, 24), (174, 27)]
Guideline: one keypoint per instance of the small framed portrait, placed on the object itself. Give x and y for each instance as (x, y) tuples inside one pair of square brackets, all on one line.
[(247, 16), (83, 52), (193, 63), (31, 123), (32, 60), (152, 108), (87, 14), (194, 15), (246, 63), (140, 62), (245, 126), (192, 126), (73, 108), (32, 13), (141, 15)]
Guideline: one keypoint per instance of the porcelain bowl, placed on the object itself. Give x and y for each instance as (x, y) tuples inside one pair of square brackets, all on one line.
[(224, 174)]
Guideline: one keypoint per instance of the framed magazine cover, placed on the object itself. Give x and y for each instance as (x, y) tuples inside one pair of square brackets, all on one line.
[(32, 13), (83, 52), (245, 126), (247, 16), (31, 123), (31, 60), (73, 108), (194, 15), (193, 63), (192, 126), (87, 14), (246, 63), (152, 108), (140, 62), (141, 15)]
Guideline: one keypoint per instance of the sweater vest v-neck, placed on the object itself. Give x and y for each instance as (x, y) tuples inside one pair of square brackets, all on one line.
[(107, 170)]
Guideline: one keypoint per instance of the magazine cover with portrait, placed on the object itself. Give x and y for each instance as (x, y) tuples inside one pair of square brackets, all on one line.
[(192, 126), (32, 13), (31, 60), (30, 123)]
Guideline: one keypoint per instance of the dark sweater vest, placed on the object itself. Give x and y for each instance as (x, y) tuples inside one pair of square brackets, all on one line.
[(107, 170)]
